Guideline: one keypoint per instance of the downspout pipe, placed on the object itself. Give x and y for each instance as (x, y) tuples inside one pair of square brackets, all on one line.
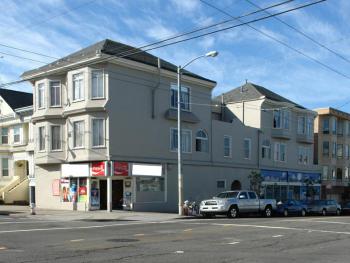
[(153, 96)]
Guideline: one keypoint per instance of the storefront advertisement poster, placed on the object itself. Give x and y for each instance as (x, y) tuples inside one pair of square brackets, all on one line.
[(95, 194), (98, 169), (65, 191), (121, 168), (82, 194), (73, 190)]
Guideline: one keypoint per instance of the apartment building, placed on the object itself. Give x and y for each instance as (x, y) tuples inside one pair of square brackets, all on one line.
[(332, 134), (285, 140), (16, 146), (106, 133)]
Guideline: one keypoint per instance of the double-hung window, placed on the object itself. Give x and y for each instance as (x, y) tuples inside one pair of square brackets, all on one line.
[(98, 132), (78, 87), (334, 126), (5, 166), (280, 152), (227, 146), (41, 96), (334, 149), (56, 142), (325, 148), (325, 127), (247, 148), (277, 119), (340, 130), (16, 134), (301, 125), (42, 136), (309, 126), (303, 155), (186, 140), (281, 119), (184, 97), (55, 93), (78, 134), (97, 84), (4, 136), (339, 151), (202, 144), (266, 149)]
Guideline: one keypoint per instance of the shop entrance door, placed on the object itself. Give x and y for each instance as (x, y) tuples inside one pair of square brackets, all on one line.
[(117, 194), (103, 194)]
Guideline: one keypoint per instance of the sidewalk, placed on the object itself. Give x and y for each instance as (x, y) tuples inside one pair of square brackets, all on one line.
[(99, 215)]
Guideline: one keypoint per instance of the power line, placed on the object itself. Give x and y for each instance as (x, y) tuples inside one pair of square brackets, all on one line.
[(16, 56), (301, 33), (125, 54), (283, 43), (27, 51)]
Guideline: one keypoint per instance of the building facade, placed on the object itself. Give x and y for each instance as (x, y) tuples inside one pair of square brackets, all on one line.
[(285, 140), (16, 146), (332, 134)]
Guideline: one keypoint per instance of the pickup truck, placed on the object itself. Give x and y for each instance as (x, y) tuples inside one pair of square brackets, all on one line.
[(232, 203)]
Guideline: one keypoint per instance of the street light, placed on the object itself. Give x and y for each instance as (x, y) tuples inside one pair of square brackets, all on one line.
[(179, 164)]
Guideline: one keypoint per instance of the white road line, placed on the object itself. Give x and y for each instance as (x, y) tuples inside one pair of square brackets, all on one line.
[(277, 236), (179, 252), (77, 240), (187, 230), (139, 235), (287, 228), (319, 221), (233, 243), (30, 222)]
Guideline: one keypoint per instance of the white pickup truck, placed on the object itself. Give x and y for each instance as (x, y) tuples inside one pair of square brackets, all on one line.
[(232, 203)]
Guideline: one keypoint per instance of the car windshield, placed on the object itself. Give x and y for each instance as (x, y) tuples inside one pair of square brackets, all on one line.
[(227, 195)]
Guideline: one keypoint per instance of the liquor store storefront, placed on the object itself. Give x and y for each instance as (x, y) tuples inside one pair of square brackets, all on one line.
[(283, 185), (109, 185)]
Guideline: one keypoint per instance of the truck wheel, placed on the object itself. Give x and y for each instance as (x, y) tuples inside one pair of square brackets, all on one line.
[(268, 211), (233, 212)]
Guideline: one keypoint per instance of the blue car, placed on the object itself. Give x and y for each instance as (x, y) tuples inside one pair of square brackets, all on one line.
[(291, 207)]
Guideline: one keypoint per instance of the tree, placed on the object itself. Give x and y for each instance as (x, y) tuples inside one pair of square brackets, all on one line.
[(255, 181)]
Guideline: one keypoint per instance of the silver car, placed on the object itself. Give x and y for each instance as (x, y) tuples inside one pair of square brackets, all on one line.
[(324, 207)]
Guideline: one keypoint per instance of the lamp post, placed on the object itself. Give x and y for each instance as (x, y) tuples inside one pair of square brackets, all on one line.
[(179, 150)]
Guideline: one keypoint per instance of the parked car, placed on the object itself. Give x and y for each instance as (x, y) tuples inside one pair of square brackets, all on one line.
[(291, 207), (345, 208), (233, 203), (324, 207)]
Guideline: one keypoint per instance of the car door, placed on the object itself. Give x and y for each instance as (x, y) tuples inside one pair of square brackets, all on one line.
[(253, 202), (243, 202), (292, 207), (331, 206)]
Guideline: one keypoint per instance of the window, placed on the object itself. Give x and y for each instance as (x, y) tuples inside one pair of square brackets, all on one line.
[(340, 128), (334, 149), (326, 125), (186, 140), (97, 84), (227, 146), (56, 137), (78, 134), (4, 136), (17, 134), (184, 98), (5, 166), (221, 184), (309, 126), (281, 119), (41, 138), (334, 126), (252, 195), (202, 143), (325, 148), (301, 125), (339, 151), (98, 133), (346, 173), (325, 172), (243, 195), (266, 150), (78, 88), (247, 148), (303, 155), (339, 174), (41, 95), (280, 152), (55, 93), (150, 184), (346, 151)]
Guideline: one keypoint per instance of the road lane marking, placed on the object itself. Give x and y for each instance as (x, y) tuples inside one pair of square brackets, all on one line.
[(3, 248), (233, 243), (277, 236), (139, 235), (77, 240), (319, 221), (179, 252), (31, 222), (188, 230)]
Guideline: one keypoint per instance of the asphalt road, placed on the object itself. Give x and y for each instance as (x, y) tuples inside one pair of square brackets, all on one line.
[(293, 239)]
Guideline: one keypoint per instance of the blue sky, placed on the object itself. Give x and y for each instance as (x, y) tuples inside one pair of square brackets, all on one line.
[(58, 27)]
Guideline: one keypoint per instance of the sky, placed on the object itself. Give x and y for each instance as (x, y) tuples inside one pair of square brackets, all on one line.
[(59, 27)]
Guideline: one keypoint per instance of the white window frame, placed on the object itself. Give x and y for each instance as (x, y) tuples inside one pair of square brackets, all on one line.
[(41, 96), (2, 135), (19, 134), (182, 132), (266, 148), (301, 121), (249, 148), (60, 93), (173, 86), (206, 140), (60, 139), (277, 153), (230, 146), (104, 133), (2, 167), (93, 71), (83, 135), (82, 87), (42, 137)]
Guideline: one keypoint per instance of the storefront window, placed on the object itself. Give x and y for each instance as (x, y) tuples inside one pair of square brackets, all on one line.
[(150, 184)]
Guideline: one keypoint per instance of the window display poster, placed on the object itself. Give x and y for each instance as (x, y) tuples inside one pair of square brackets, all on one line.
[(82, 191), (73, 190), (65, 190), (95, 194)]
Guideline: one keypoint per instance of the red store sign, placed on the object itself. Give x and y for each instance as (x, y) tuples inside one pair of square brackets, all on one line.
[(121, 168), (98, 169)]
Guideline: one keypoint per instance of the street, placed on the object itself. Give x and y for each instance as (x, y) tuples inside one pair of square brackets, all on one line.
[(292, 239)]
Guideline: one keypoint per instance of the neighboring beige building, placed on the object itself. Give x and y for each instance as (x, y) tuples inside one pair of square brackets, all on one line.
[(285, 140), (16, 146), (332, 133)]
